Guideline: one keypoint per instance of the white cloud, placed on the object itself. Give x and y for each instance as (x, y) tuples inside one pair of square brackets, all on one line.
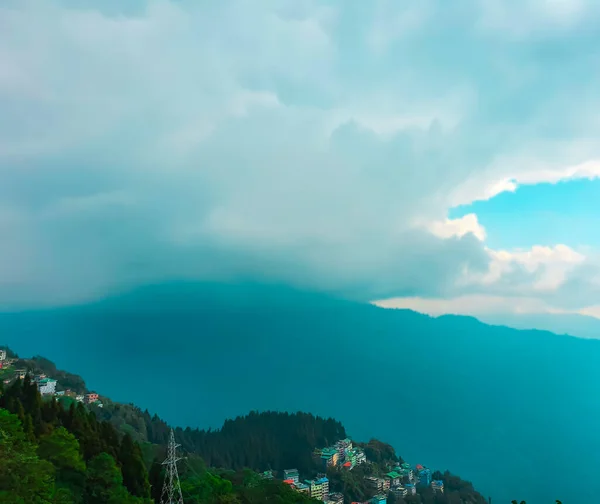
[(475, 305), (236, 138), (458, 227)]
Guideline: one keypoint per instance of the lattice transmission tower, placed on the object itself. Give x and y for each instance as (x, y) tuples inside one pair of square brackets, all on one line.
[(171, 492)]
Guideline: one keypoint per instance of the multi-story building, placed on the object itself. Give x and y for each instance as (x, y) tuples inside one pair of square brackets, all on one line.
[(2, 354), (319, 488), (379, 499), (424, 476), (342, 446), (399, 491), (20, 374), (394, 478), (437, 486), (291, 474), (376, 484), (335, 498), (329, 457), (350, 456), (411, 489), (302, 487), (47, 386), (90, 398), (361, 458)]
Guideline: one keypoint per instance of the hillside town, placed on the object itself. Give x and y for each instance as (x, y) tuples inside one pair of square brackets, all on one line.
[(401, 480), (48, 386)]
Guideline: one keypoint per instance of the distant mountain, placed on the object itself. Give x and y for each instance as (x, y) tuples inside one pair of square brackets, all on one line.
[(509, 410), (580, 326)]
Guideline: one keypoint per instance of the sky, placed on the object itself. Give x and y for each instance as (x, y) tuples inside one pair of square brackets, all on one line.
[(431, 154)]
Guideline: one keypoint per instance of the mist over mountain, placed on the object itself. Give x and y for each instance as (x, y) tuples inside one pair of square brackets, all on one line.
[(510, 410), (582, 326)]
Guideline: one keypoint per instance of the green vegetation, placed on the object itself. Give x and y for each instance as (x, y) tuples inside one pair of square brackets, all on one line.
[(260, 441)]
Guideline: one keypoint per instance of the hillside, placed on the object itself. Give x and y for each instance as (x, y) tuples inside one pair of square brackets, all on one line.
[(443, 391), (72, 450)]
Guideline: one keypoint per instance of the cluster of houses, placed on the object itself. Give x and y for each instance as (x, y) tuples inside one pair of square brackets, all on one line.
[(401, 481), (46, 385)]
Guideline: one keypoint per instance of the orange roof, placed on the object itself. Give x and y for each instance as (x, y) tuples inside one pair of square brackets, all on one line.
[(419, 466), (289, 481), (348, 464)]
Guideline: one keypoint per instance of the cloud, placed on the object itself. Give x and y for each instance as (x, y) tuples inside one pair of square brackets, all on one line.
[(318, 143)]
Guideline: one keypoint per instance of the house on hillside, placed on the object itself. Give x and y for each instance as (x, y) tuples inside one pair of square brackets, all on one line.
[(291, 474), (329, 457), (437, 486), (335, 498), (399, 491), (2, 354), (379, 499), (424, 475), (90, 398), (47, 386)]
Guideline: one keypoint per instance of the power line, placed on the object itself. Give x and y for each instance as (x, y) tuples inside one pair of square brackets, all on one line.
[(171, 492)]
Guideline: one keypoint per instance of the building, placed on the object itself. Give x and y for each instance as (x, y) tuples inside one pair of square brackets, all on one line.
[(302, 487), (20, 374), (424, 476), (329, 457), (291, 474), (47, 386), (336, 498), (437, 486), (394, 478), (379, 499), (90, 398), (79, 398), (361, 458), (319, 488), (342, 447), (399, 491), (374, 483), (2, 354), (268, 475), (411, 489)]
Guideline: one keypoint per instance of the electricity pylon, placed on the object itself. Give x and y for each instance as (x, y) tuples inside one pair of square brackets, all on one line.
[(171, 492)]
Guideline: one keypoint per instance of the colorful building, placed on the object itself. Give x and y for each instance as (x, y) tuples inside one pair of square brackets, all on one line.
[(329, 457), (437, 486), (342, 447), (319, 488), (268, 475), (394, 478), (302, 487), (291, 474), (90, 398), (424, 476), (379, 499)]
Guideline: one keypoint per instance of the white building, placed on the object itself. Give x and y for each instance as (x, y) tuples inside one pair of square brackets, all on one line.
[(2, 355), (47, 386)]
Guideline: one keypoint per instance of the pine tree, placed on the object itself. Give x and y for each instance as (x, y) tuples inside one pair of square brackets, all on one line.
[(135, 476)]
